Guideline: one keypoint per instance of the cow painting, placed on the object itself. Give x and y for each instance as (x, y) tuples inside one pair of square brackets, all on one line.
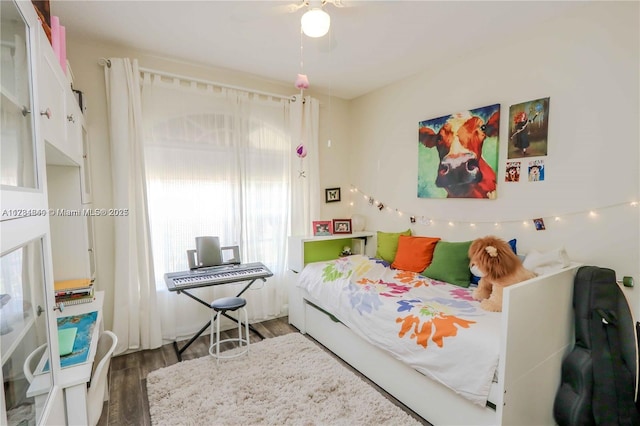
[(458, 154)]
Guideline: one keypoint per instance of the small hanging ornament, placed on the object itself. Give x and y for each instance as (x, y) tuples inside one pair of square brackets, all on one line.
[(302, 82), (301, 151)]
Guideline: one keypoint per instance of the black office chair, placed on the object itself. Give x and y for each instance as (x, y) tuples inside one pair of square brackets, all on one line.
[(218, 308)]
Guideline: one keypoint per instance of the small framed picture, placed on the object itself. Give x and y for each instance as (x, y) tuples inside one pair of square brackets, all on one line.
[(341, 226), (321, 228), (331, 195)]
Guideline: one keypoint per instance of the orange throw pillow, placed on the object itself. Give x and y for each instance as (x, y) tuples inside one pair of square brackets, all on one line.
[(414, 253)]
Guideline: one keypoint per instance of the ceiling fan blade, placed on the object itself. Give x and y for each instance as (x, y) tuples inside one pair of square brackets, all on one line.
[(290, 8), (343, 4)]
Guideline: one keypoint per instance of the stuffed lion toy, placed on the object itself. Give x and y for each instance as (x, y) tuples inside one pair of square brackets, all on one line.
[(493, 260)]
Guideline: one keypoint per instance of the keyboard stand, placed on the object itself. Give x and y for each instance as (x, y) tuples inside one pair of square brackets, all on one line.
[(208, 305)]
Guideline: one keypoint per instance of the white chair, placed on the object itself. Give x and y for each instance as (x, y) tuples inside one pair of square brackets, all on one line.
[(32, 361), (98, 390), (220, 307)]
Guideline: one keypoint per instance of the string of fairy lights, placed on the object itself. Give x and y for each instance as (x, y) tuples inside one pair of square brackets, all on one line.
[(538, 223)]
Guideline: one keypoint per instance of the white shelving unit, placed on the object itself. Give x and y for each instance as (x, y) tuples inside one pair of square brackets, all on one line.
[(45, 165), (305, 249)]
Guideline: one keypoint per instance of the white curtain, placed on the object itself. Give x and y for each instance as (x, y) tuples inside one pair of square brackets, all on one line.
[(305, 171), (219, 164), (135, 307)]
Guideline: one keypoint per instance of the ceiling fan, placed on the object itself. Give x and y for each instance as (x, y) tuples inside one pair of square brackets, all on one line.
[(314, 9), (315, 21)]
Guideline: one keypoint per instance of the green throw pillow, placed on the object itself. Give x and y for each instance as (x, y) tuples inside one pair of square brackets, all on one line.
[(388, 244), (450, 263)]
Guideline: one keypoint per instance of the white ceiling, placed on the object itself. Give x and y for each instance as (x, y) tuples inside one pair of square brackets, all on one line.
[(371, 43)]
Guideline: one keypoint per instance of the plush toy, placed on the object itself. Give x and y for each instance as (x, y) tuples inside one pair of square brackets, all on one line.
[(493, 260)]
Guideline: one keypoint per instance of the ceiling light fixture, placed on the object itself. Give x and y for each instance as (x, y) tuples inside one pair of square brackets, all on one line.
[(315, 22)]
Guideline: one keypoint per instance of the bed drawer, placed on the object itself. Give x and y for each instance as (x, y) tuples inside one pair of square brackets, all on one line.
[(426, 397), (321, 325)]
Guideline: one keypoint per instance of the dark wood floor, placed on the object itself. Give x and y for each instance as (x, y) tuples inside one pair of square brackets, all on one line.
[(128, 404)]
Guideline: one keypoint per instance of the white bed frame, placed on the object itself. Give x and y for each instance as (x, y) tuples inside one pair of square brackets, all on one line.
[(537, 330)]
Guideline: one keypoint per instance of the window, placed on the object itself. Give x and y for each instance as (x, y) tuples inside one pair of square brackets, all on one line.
[(198, 184), (217, 164)]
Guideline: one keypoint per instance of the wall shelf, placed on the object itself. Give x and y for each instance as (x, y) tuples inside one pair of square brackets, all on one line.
[(307, 249)]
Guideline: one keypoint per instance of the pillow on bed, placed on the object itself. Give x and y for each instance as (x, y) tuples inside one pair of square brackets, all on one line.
[(543, 263), (388, 244), (414, 253), (476, 279), (450, 263)]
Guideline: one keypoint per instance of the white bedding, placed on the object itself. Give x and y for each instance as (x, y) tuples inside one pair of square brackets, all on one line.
[(435, 327)]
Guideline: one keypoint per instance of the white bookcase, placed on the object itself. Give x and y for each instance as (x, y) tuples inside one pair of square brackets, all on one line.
[(43, 143)]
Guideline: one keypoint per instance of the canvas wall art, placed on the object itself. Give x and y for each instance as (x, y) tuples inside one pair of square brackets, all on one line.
[(528, 128), (458, 154)]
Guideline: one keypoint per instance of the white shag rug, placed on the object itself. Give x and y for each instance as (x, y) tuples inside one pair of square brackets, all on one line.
[(285, 380)]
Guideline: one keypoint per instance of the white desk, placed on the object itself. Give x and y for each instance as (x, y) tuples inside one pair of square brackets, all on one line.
[(72, 379)]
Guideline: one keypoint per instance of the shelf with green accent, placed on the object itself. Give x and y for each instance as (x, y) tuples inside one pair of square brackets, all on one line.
[(307, 249)]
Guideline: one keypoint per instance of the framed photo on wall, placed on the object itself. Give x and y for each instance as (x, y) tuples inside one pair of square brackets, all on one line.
[(341, 226), (321, 228), (331, 195)]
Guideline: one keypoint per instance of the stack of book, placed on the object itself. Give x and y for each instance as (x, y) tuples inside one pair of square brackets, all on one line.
[(73, 292)]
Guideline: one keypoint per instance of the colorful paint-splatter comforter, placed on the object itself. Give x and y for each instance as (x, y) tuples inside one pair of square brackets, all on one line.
[(435, 327)]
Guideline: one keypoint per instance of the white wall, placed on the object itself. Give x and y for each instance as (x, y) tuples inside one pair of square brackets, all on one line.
[(588, 64), (89, 77)]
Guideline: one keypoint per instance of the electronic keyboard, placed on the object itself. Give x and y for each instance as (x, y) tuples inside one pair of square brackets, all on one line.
[(215, 275)]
